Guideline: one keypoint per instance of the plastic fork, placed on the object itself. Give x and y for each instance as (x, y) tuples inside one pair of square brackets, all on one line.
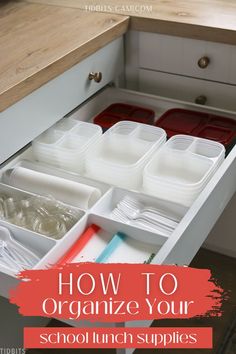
[(151, 221), (145, 223), (17, 256), (6, 257), (138, 206), (133, 208), (154, 219)]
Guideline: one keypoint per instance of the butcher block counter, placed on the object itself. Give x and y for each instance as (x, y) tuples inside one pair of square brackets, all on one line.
[(213, 20), (39, 41)]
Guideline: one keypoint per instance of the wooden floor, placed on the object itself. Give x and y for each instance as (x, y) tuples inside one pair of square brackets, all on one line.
[(224, 270)]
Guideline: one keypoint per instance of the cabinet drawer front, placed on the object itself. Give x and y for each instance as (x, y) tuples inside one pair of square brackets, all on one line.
[(28, 118), (184, 88), (193, 229), (181, 55)]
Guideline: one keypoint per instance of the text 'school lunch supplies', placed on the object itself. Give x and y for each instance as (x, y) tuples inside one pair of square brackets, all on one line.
[(120, 111), (100, 246), (203, 125)]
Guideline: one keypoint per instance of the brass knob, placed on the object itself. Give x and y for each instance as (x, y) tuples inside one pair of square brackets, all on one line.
[(201, 100), (97, 77), (203, 62)]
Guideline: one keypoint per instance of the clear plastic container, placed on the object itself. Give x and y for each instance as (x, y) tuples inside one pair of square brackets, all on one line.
[(66, 143), (42, 215), (119, 156), (181, 169)]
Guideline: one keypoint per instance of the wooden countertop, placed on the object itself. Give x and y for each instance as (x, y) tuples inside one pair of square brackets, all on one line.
[(39, 42), (213, 20)]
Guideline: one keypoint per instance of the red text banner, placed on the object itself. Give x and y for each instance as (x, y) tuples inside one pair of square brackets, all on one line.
[(158, 337), (117, 292)]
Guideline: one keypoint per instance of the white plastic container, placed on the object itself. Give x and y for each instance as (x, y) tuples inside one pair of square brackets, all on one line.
[(181, 169), (13, 215), (119, 156), (66, 143)]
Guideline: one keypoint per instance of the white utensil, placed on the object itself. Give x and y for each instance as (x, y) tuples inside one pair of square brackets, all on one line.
[(13, 254)]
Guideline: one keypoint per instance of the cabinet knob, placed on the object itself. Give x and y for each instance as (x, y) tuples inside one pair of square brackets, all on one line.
[(203, 62), (97, 77), (201, 100)]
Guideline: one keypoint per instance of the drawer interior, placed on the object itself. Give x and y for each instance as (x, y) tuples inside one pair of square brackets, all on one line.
[(179, 246)]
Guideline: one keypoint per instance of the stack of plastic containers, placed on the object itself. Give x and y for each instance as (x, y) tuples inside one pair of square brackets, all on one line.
[(119, 156), (180, 170), (66, 143)]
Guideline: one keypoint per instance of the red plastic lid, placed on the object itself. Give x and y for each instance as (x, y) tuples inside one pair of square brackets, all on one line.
[(223, 122), (180, 120), (119, 108), (222, 135), (106, 120), (204, 125), (120, 111)]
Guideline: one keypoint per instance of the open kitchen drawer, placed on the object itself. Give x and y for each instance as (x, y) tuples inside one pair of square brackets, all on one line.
[(187, 238)]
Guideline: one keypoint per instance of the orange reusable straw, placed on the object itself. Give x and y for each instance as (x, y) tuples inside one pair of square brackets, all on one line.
[(78, 245)]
